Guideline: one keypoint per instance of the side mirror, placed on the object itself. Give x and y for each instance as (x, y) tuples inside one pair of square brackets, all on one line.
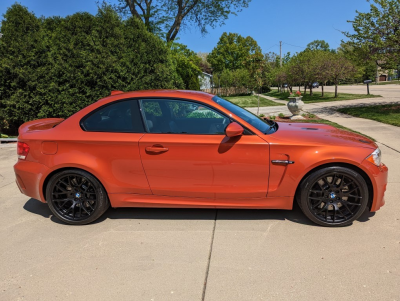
[(234, 129)]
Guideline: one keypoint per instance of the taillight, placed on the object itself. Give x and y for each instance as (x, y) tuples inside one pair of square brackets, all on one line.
[(22, 150)]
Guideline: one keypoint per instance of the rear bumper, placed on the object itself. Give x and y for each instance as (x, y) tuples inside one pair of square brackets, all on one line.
[(30, 177), (378, 176)]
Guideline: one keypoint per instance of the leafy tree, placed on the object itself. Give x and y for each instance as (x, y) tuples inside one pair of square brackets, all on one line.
[(204, 64), (341, 68), (255, 63), (324, 67), (53, 67), (318, 45), (232, 51), (187, 66), (23, 63), (376, 35), (171, 16)]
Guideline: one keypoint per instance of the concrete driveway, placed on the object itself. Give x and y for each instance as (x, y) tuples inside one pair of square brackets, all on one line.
[(172, 254)]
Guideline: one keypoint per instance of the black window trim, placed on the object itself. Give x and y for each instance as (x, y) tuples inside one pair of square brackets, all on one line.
[(247, 131)]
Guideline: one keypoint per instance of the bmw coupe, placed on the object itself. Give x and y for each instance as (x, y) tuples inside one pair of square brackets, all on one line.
[(167, 148)]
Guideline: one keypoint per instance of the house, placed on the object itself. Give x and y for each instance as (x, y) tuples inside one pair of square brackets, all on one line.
[(205, 81)]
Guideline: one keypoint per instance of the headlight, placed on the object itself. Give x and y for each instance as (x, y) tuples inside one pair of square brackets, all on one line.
[(375, 157)]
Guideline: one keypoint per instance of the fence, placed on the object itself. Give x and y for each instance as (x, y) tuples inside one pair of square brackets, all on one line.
[(227, 91)]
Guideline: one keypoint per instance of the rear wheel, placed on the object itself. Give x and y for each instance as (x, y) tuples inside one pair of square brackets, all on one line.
[(76, 197), (333, 196)]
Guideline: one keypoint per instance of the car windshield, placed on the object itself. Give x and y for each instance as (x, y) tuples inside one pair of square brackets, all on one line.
[(259, 124)]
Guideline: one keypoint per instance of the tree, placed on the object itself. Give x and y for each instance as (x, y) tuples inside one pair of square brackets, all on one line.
[(318, 45), (255, 63), (324, 68), (187, 66), (341, 68), (376, 34), (204, 64), (232, 51), (53, 67), (168, 17)]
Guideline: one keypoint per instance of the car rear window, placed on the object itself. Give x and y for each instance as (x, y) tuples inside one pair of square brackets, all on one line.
[(118, 117)]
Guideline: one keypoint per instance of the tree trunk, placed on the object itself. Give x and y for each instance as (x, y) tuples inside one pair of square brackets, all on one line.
[(258, 108), (311, 93), (323, 84), (305, 89), (336, 94)]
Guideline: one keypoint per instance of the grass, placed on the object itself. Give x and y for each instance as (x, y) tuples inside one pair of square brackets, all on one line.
[(393, 82), (389, 114), (251, 101), (328, 96)]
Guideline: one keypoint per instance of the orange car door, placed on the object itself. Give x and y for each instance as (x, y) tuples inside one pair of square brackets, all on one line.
[(186, 153)]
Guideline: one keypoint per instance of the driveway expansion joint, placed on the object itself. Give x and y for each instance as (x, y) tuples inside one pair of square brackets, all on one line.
[(209, 257)]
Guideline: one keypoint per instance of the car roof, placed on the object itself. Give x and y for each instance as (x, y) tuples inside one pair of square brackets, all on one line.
[(185, 94)]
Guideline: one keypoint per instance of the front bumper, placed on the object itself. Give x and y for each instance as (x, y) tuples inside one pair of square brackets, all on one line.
[(378, 176), (30, 177)]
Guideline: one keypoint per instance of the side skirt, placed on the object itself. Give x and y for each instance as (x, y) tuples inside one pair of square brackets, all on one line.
[(135, 200)]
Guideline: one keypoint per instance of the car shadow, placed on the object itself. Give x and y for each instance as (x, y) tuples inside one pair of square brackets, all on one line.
[(295, 215)]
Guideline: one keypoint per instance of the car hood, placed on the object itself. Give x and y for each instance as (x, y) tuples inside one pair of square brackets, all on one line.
[(320, 134)]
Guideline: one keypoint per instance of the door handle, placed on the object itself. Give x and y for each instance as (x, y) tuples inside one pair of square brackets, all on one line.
[(156, 149)]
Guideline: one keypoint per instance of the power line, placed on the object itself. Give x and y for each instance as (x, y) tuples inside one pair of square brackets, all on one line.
[(276, 45), (294, 45)]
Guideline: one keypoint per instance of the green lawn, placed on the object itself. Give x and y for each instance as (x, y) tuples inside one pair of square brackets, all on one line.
[(393, 82), (328, 96), (251, 101), (389, 114)]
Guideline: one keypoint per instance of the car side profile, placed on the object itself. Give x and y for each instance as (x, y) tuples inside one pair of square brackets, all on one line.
[(189, 149)]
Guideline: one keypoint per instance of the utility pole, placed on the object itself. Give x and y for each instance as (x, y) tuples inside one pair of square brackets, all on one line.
[(280, 55)]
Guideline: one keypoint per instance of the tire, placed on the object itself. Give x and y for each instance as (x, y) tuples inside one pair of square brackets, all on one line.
[(333, 196), (76, 197)]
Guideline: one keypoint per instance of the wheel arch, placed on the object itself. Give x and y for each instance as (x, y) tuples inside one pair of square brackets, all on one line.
[(56, 171), (347, 165)]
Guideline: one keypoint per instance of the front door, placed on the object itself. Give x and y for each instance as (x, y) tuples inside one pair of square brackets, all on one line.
[(186, 153)]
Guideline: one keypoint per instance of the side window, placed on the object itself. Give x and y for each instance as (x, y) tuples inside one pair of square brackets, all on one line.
[(182, 117), (119, 117)]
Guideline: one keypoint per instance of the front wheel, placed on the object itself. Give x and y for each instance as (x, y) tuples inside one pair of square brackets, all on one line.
[(333, 196), (76, 197)]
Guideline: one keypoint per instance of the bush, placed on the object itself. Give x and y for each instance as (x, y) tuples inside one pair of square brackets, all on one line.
[(54, 67)]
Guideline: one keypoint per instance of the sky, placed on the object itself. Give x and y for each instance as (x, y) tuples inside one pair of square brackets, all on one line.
[(295, 23)]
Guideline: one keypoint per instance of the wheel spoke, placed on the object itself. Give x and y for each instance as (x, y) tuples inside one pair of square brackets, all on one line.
[(334, 214), (340, 211), (83, 207), (316, 205), (355, 196), (347, 207)]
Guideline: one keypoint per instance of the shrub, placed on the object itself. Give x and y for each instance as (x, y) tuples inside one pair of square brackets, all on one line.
[(54, 67)]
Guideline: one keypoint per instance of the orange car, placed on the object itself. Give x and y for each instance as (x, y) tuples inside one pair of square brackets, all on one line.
[(192, 149)]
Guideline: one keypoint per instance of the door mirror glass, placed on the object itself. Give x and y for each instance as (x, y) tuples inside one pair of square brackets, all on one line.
[(234, 129)]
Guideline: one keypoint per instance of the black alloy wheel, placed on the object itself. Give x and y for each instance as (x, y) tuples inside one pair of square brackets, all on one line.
[(333, 196), (76, 197)]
